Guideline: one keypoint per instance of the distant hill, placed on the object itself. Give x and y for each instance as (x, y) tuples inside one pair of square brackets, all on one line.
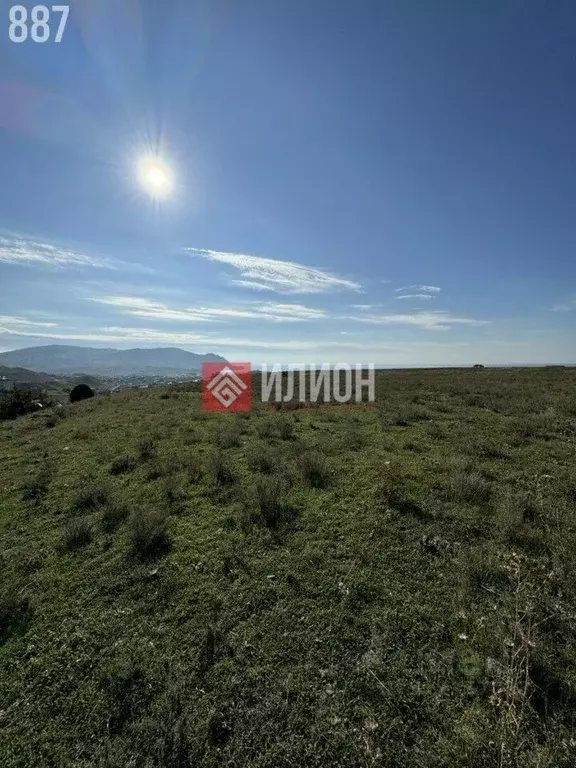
[(24, 376), (66, 360)]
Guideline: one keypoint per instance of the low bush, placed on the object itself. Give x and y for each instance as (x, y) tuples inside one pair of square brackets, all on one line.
[(147, 449), (92, 497), (174, 494), (148, 533), (81, 392), (113, 514), (281, 427), (192, 466), (470, 486), (390, 485), (220, 470), (122, 464), (36, 487), (77, 533), (227, 437), (263, 458), (269, 495), (14, 614), (315, 469), (21, 401)]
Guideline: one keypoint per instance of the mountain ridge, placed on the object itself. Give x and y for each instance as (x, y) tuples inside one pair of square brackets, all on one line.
[(60, 359)]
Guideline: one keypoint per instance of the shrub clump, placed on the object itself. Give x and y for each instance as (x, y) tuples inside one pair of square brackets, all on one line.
[(122, 464), (220, 470), (261, 458), (113, 514), (315, 469), (21, 401), (174, 494), (81, 392), (77, 533), (36, 487), (269, 495), (391, 485), (147, 449), (470, 485), (15, 614), (228, 437), (92, 497), (148, 533), (193, 467), (281, 427)]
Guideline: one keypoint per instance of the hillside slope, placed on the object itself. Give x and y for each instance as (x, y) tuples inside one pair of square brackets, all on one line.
[(347, 586), (24, 376)]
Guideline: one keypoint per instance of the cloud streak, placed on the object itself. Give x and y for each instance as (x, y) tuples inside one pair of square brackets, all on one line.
[(429, 321), (419, 288), (416, 296), (263, 274), (23, 322), (276, 313), (20, 250), (24, 251)]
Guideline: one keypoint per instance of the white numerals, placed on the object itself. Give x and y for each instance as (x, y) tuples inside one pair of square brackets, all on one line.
[(40, 31), (18, 30), (39, 23)]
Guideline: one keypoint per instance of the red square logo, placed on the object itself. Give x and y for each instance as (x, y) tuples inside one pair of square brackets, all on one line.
[(226, 386)]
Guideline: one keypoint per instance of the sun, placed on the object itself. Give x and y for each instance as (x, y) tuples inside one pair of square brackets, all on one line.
[(155, 177)]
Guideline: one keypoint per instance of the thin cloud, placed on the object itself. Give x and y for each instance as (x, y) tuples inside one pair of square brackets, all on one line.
[(277, 313), (365, 307), (122, 335), (416, 296), (19, 250), (15, 249), (21, 321), (265, 274), (420, 288), (430, 321)]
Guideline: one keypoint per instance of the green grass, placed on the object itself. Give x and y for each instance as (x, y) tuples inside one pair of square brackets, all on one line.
[(388, 585)]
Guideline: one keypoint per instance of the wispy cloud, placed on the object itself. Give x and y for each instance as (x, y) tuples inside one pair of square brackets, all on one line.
[(25, 251), (365, 307), (20, 322), (265, 274), (416, 296), (567, 306), (277, 313), (127, 335), (419, 288), (19, 250), (430, 321)]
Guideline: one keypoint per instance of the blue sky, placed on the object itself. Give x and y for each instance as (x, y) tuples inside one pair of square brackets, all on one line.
[(389, 182)]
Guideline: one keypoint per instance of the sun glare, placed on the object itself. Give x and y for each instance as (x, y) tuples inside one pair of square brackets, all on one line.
[(154, 177)]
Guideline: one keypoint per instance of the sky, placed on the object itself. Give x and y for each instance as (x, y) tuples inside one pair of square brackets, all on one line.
[(390, 181)]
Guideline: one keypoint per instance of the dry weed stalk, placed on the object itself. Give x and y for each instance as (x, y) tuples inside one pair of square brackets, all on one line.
[(512, 690)]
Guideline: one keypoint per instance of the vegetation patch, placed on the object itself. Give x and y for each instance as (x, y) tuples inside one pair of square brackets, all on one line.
[(148, 533), (77, 533), (340, 592)]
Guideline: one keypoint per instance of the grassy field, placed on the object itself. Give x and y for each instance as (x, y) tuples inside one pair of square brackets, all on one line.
[(374, 585)]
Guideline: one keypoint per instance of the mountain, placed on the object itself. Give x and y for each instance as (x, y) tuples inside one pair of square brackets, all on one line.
[(65, 360)]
